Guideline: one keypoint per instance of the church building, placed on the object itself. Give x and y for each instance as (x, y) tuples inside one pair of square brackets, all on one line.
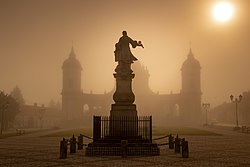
[(166, 109)]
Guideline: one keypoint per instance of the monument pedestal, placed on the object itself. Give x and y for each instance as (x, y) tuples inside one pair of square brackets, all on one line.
[(123, 110), (123, 121)]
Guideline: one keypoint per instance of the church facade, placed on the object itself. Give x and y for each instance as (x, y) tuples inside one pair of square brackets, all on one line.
[(166, 109)]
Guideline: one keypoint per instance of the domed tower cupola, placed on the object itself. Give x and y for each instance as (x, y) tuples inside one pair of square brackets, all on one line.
[(191, 74), (72, 62), (71, 73)]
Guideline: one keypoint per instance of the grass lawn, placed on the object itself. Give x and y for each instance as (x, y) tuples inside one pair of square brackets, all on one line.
[(12, 134), (7, 135), (69, 133), (157, 131), (160, 131)]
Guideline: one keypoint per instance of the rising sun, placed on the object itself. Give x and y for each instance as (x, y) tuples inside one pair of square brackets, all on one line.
[(223, 11)]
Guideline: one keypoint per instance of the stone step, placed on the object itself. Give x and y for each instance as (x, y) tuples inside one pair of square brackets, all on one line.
[(144, 149)]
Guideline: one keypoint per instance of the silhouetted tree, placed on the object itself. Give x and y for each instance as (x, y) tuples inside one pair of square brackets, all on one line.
[(9, 108), (17, 94), (12, 110)]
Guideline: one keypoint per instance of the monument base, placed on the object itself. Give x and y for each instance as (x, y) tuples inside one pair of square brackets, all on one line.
[(110, 134), (116, 149), (123, 110), (123, 121)]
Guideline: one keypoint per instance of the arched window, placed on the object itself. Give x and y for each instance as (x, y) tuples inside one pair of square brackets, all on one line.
[(85, 108)]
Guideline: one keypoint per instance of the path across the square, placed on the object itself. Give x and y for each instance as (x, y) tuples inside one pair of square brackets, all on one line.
[(31, 150)]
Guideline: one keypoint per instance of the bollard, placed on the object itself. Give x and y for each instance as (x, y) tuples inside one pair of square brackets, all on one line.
[(171, 141), (63, 149), (73, 145), (124, 148), (185, 152), (177, 143), (80, 142)]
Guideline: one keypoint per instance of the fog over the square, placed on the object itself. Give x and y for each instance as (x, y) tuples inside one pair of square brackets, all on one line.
[(36, 37)]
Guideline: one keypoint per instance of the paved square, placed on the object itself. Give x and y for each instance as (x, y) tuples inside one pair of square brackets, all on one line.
[(231, 149)]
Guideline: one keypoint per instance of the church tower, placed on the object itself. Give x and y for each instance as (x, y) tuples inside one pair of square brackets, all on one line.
[(71, 89), (190, 102)]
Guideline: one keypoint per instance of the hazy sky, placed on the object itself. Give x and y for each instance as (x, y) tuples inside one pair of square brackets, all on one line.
[(36, 37)]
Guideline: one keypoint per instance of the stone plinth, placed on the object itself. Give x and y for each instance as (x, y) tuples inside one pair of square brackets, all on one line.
[(126, 110), (133, 149)]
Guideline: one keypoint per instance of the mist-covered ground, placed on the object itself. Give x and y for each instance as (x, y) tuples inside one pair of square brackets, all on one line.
[(227, 149)]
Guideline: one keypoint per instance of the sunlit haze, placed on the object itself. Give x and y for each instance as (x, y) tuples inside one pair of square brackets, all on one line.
[(223, 11), (36, 37)]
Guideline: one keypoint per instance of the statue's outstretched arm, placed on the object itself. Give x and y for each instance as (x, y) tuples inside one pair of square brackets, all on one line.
[(135, 44), (140, 44)]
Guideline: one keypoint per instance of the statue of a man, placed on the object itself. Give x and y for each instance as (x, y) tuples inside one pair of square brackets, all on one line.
[(122, 49)]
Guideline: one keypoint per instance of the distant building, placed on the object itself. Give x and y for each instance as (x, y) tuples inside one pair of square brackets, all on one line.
[(34, 116), (184, 107), (226, 112)]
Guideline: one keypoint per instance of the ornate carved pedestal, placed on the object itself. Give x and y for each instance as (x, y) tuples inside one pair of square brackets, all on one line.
[(123, 109)]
